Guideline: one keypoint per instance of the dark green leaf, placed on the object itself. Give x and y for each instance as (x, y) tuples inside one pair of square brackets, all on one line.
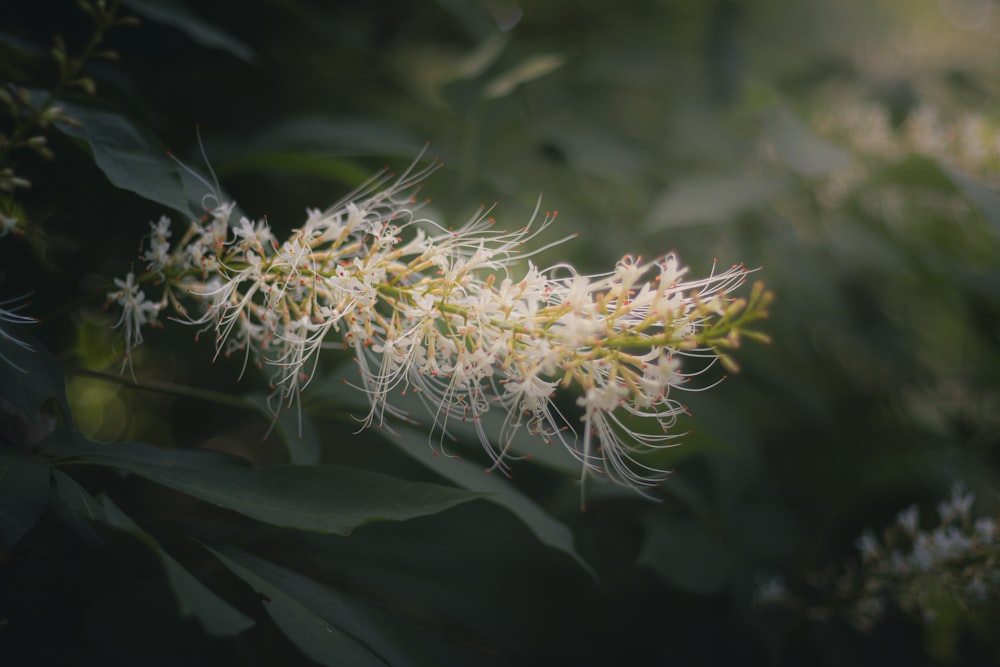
[(597, 150), (76, 498), (36, 380), (67, 447), (712, 200), (473, 16), (77, 507), (496, 489), (913, 170), (178, 16), (194, 599), (986, 198), (127, 157), (24, 491), (295, 429), (216, 615), (467, 434), (310, 614), (328, 499), (799, 149)]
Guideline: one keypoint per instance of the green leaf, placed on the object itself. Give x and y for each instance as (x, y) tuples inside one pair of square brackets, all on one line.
[(922, 171), (912, 170), (77, 507), (330, 627), (322, 498), (195, 599), (799, 149), (77, 499), (24, 492), (496, 489), (682, 552), (216, 615), (68, 447), (531, 68), (986, 198), (712, 200), (295, 429), (338, 389), (178, 16), (25, 390), (127, 157), (595, 149), (37, 380), (480, 59)]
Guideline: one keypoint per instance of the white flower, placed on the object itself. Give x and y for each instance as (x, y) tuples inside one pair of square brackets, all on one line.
[(985, 529), (868, 546), (771, 590), (8, 225), (909, 520), (254, 236), (958, 506), (137, 312), (158, 255)]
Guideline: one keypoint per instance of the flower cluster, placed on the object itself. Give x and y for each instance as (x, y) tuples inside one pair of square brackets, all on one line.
[(462, 317), (966, 141), (954, 566), (956, 562)]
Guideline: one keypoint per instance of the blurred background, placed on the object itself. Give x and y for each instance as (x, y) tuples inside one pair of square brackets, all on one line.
[(849, 150)]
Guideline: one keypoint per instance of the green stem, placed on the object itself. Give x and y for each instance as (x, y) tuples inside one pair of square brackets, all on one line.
[(169, 388)]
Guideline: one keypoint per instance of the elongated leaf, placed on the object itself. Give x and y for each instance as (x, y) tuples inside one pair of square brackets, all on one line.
[(712, 200), (911, 170), (36, 380), (918, 170), (178, 16), (413, 442), (77, 499), (290, 604), (77, 507), (799, 149), (322, 498), (470, 476), (216, 615), (127, 157), (480, 59), (295, 429), (358, 621), (68, 447), (532, 68), (467, 434), (24, 491), (986, 198)]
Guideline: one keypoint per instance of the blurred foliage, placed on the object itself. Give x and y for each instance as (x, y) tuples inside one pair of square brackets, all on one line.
[(848, 149)]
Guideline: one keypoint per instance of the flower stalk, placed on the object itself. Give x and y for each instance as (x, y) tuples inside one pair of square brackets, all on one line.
[(462, 317)]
